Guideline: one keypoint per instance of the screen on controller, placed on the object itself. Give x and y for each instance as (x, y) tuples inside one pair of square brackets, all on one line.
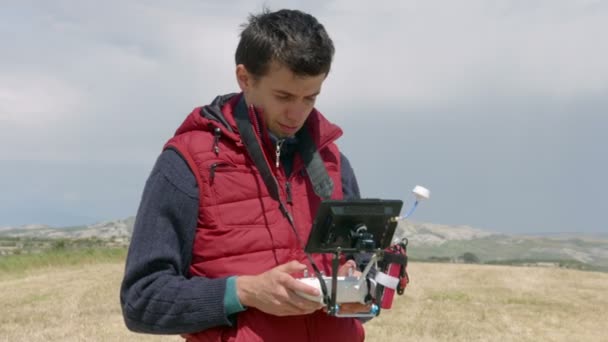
[(353, 225)]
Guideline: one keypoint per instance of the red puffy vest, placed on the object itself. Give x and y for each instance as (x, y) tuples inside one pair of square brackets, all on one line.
[(241, 229)]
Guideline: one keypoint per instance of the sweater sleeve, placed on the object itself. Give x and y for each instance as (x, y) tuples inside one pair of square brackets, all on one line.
[(157, 296), (350, 187)]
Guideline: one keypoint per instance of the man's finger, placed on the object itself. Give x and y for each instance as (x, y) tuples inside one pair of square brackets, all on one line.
[(350, 264), (295, 305), (291, 267), (298, 286), (303, 303)]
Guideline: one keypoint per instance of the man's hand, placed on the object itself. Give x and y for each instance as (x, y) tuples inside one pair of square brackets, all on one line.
[(273, 291)]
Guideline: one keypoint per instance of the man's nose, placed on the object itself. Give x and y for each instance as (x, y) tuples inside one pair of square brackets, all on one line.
[(296, 111)]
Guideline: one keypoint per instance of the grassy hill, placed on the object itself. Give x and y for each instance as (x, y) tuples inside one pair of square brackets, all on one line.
[(442, 242), (428, 242), (76, 299)]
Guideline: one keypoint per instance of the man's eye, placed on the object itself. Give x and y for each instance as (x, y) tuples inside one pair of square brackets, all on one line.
[(283, 98)]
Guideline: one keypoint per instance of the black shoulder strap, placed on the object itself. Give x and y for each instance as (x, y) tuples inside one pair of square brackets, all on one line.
[(254, 149), (321, 182)]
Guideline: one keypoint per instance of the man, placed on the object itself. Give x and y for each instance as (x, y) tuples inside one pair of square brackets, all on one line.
[(218, 240)]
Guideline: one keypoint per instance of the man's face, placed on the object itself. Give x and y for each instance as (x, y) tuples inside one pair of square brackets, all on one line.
[(284, 98)]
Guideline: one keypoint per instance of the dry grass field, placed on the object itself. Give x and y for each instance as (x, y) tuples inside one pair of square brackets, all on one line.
[(445, 302)]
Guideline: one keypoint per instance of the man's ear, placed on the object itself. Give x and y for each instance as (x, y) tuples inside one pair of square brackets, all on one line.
[(243, 77)]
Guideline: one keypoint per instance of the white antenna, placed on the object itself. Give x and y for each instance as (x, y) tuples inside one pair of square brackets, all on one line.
[(421, 193)]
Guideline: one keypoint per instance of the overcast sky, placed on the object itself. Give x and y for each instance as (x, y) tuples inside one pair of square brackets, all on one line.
[(500, 108)]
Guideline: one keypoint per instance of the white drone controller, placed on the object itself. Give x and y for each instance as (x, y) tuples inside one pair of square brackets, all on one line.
[(350, 289), (353, 289)]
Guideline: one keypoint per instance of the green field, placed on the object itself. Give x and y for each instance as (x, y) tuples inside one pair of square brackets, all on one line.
[(24, 263)]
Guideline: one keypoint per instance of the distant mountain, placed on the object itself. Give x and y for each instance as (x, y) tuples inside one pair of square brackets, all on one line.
[(24, 228), (426, 241), (429, 234), (102, 230)]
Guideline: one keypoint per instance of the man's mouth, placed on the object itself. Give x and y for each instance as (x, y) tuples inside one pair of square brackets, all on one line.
[(288, 128)]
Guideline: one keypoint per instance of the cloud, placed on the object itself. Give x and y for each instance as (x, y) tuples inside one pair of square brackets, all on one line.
[(95, 77), (482, 95), (35, 100), (101, 73), (441, 54)]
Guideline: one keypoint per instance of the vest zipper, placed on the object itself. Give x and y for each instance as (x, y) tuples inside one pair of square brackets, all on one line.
[(278, 151), (212, 169), (288, 190), (216, 147)]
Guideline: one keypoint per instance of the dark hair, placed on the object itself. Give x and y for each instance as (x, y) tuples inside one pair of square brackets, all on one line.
[(292, 38)]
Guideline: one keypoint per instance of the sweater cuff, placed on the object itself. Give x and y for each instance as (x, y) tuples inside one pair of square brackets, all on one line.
[(232, 304)]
